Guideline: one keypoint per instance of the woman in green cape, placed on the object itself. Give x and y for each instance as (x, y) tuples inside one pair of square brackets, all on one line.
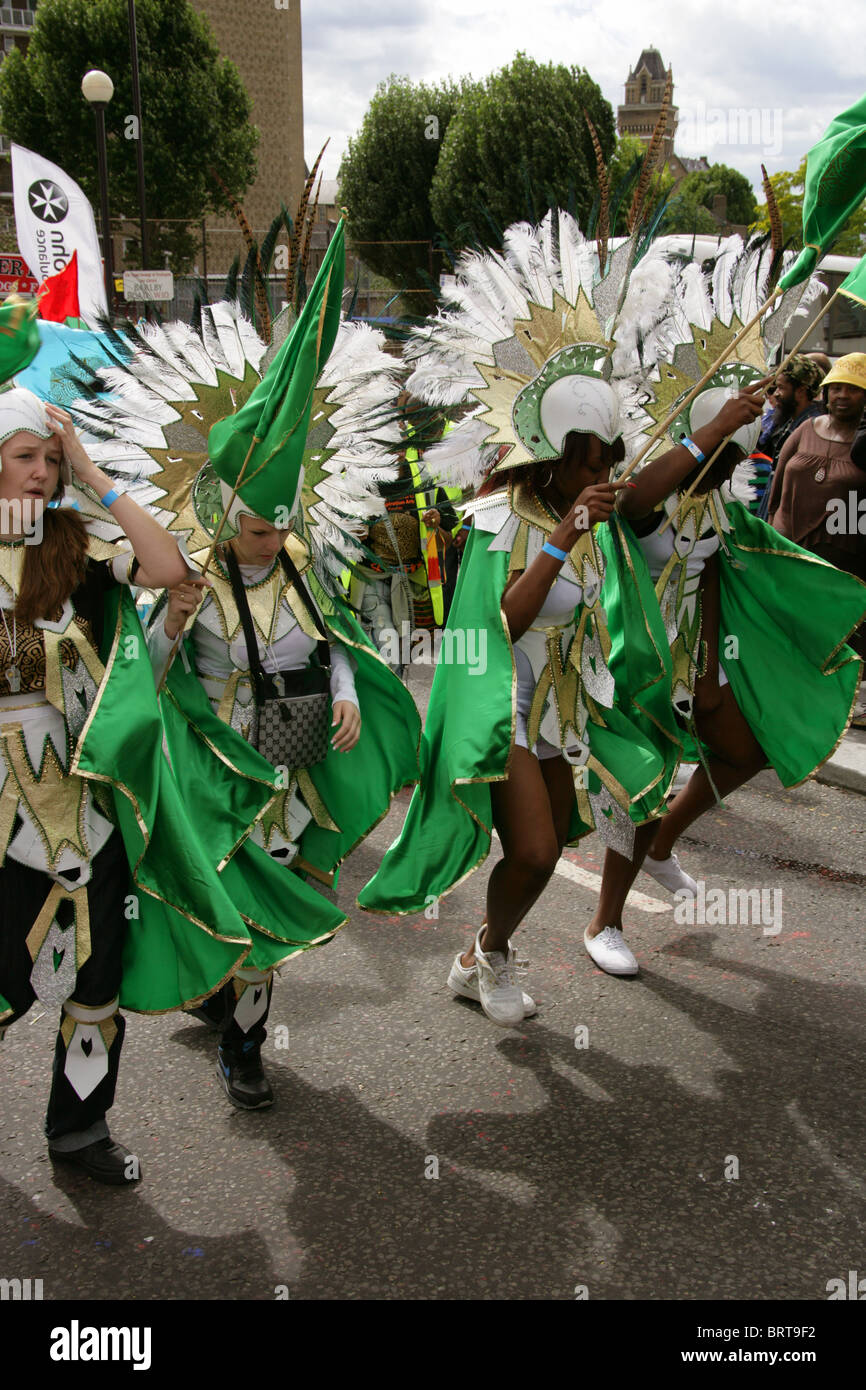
[(758, 627), (85, 791), (323, 811)]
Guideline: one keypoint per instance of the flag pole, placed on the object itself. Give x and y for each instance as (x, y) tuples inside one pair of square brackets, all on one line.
[(206, 566), (660, 430), (815, 321)]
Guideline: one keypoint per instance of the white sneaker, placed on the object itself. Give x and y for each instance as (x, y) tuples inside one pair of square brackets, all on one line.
[(668, 873), (610, 952), (498, 992), (463, 980)]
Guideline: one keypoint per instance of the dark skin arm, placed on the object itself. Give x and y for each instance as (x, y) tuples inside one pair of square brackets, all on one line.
[(663, 475), (525, 593)]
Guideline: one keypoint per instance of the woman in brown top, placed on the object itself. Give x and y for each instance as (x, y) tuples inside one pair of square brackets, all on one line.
[(819, 493)]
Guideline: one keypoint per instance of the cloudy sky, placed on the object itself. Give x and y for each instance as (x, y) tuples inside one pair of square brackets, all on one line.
[(752, 82)]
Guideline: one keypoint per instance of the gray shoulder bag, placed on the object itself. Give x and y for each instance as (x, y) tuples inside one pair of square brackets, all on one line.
[(293, 707)]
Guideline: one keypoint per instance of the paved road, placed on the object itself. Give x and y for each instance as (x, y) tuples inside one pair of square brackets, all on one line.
[(706, 1142)]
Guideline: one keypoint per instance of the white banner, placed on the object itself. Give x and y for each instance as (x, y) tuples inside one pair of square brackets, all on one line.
[(52, 219)]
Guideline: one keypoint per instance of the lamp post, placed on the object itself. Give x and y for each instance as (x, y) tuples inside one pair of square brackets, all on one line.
[(139, 143), (98, 89)]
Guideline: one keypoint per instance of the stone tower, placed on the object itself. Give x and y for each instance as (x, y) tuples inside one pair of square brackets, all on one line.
[(263, 40), (644, 91)]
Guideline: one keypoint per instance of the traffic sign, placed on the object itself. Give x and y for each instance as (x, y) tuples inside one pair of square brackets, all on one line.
[(148, 285)]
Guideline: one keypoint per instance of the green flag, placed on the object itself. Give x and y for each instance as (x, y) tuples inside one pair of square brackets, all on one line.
[(19, 336), (854, 285), (263, 442), (835, 186)]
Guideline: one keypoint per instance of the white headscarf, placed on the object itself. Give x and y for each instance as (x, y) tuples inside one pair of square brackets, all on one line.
[(21, 410)]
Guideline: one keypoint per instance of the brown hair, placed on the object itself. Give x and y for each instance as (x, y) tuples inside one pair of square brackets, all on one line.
[(53, 568)]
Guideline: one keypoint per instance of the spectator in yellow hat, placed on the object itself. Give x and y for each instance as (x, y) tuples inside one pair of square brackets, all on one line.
[(819, 490)]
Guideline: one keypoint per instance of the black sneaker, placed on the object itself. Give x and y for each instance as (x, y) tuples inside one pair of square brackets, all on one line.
[(103, 1160), (243, 1077), (211, 1012)]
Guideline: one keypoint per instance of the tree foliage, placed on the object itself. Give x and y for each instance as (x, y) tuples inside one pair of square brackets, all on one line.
[(692, 200), (517, 145), (386, 173), (624, 170), (196, 113), (788, 187)]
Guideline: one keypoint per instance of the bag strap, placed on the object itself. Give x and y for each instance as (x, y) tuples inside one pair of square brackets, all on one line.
[(316, 619), (243, 607)]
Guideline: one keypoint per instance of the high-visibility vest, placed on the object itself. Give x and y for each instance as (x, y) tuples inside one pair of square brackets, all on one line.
[(429, 548)]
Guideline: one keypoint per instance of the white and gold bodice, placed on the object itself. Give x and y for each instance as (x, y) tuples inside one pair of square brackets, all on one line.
[(562, 657), (285, 634), (676, 557), (50, 820)]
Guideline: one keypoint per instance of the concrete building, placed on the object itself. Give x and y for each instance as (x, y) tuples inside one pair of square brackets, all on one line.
[(264, 43)]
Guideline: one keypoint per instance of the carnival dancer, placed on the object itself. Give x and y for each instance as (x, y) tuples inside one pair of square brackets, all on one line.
[(65, 879), (275, 650), (398, 589), (567, 726), (748, 612)]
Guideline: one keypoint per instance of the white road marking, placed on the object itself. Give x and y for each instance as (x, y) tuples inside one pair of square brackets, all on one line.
[(587, 879), (593, 881)]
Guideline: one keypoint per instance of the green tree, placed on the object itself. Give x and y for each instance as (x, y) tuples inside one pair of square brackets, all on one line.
[(516, 146), (692, 200), (788, 187), (195, 111), (623, 170), (386, 173)]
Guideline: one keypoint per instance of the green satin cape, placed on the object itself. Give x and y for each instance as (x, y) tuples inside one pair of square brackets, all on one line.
[(204, 901), (794, 678), (469, 732)]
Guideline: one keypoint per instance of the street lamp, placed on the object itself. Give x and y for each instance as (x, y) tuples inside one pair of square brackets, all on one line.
[(98, 89)]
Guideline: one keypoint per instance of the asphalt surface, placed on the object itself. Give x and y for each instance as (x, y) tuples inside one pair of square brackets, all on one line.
[(702, 1139)]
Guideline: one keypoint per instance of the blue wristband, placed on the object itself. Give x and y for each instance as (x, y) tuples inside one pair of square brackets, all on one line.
[(692, 448), (559, 555), (110, 498), (467, 526)]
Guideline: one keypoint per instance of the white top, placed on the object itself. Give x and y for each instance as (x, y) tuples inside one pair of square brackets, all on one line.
[(291, 651), (658, 550)]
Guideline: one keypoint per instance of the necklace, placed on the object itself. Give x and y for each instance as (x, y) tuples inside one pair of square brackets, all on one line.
[(829, 439), (548, 506), (12, 672)]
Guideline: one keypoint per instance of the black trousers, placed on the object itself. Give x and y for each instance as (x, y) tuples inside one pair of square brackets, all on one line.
[(23, 892), (223, 1006)]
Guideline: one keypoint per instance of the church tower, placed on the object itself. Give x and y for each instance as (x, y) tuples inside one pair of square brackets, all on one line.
[(644, 93)]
